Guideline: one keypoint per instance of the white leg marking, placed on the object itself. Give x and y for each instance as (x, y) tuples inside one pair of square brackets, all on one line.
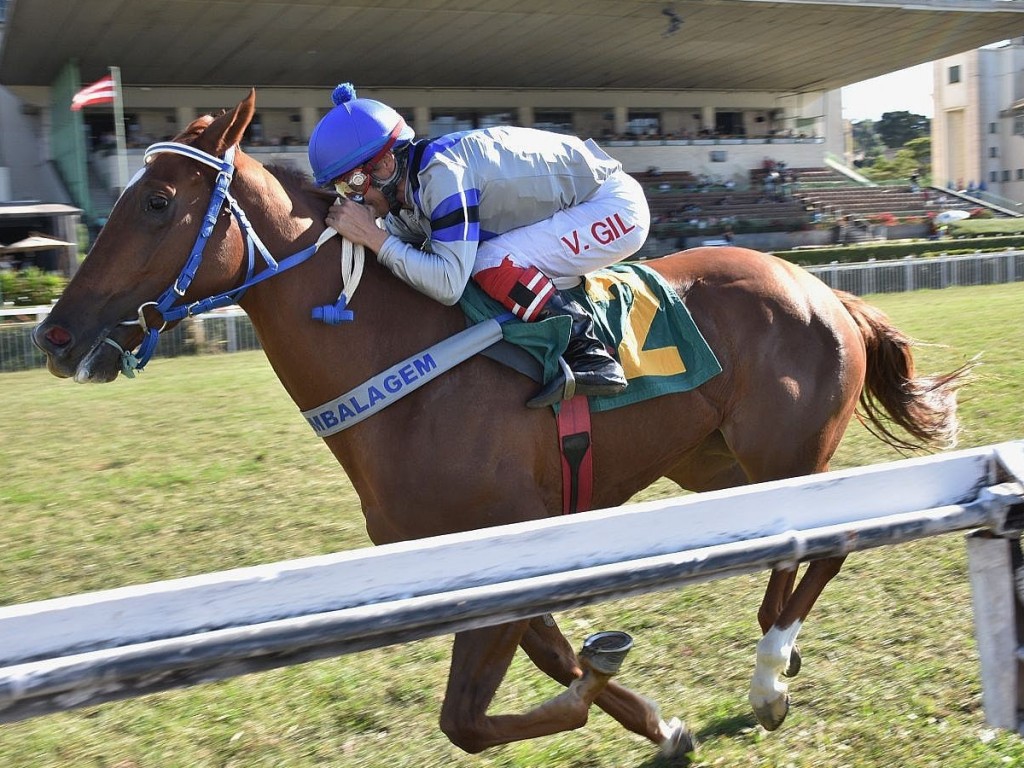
[(674, 734), (773, 651)]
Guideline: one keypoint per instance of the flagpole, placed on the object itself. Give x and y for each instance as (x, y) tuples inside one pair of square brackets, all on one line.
[(122, 150)]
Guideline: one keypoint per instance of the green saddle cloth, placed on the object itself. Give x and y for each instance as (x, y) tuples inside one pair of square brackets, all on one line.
[(635, 312)]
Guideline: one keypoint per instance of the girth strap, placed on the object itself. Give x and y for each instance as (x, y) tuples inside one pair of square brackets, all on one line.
[(574, 443)]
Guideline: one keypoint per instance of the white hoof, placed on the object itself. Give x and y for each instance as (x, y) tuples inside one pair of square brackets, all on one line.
[(678, 739)]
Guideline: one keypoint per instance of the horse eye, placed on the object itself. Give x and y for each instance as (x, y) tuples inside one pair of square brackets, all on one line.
[(156, 202)]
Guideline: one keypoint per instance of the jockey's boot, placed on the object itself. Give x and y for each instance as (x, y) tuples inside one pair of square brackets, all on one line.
[(591, 368)]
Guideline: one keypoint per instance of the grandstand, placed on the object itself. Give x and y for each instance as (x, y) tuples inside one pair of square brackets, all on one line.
[(653, 96), (686, 205), (780, 204)]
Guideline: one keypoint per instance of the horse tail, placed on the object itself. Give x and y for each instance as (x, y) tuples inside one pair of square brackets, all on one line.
[(924, 406)]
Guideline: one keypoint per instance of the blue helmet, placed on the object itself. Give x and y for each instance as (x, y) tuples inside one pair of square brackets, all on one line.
[(353, 133)]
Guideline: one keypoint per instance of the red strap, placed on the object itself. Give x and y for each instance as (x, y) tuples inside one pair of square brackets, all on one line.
[(574, 445), (392, 138)]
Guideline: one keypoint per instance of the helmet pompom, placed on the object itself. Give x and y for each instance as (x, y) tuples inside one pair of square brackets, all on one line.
[(343, 94)]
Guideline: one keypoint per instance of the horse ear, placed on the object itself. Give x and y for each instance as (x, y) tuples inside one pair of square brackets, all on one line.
[(227, 129)]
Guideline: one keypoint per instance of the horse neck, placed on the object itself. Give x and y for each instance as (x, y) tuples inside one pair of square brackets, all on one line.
[(317, 362)]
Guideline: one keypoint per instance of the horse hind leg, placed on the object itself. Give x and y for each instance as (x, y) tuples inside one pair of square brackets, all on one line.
[(777, 655), (785, 608), (480, 659), (776, 594), (549, 650)]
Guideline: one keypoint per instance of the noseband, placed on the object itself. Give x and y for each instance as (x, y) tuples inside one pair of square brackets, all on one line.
[(167, 304)]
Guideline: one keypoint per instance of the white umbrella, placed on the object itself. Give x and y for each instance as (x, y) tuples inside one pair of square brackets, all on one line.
[(35, 243), (948, 217)]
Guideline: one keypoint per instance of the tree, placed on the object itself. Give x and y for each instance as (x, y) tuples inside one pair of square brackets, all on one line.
[(897, 128), (922, 149), (866, 146), (898, 168)]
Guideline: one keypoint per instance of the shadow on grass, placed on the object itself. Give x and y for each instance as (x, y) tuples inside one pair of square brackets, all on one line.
[(728, 726)]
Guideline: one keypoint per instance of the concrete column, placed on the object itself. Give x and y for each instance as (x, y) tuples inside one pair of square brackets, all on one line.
[(308, 118), (421, 120), (707, 118), (526, 116), (621, 119), (184, 116)]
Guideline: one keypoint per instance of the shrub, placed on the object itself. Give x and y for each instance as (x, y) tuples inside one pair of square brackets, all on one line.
[(31, 286), (898, 249)]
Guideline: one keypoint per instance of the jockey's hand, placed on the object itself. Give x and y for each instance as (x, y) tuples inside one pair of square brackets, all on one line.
[(357, 223)]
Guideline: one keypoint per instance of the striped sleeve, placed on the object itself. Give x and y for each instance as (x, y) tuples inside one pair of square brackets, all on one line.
[(457, 217)]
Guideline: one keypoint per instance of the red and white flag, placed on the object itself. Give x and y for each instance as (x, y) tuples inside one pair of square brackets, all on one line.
[(100, 92)]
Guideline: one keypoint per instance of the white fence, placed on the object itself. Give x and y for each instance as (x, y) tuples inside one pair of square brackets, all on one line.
[(912, 273), (223, 330), (91, 648), (229, 330)]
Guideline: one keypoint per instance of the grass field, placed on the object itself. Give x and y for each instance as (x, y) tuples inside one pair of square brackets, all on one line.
[(204, 464)]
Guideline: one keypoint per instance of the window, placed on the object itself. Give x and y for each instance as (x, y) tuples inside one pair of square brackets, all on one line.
[(719, 156), (1006, 175), (993, 128), (557, 122), (450, 122), (1018, 125), (993, 151), (954, 74), (644, 123), (993, 176), (492, 119), (1020, 174)]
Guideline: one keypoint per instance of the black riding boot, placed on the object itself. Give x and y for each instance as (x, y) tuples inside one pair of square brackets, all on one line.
[(592, 369)]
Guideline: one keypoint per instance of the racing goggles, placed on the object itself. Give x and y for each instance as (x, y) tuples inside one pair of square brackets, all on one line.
[(358, 180)]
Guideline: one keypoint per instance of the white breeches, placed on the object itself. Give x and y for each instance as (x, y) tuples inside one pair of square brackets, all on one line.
[(601, 231)]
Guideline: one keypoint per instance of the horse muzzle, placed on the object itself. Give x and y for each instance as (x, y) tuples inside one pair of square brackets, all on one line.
[(68, 357)]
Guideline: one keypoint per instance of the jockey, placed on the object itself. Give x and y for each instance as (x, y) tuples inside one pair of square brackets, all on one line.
[(522, 212)]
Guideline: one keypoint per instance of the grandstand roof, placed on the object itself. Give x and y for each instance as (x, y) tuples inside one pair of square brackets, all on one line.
[(787, 46)]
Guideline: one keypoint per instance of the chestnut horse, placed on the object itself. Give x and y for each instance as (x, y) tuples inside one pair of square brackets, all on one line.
[(797, 359)]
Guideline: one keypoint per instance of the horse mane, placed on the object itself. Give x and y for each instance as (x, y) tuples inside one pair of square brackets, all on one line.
[(298, 182)]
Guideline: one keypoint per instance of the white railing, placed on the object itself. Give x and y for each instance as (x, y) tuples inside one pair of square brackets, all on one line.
[(229, 329), (222, 330), (913, 273), (91, 648)]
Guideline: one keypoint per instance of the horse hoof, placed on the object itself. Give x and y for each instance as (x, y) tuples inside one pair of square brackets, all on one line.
[(795, 662), (679, 742), (770, 714), (605, 651)]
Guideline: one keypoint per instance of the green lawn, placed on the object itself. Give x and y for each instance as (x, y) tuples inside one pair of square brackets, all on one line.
[(204, 464)]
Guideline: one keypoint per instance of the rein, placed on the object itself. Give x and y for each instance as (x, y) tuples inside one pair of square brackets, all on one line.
[(353, 259)]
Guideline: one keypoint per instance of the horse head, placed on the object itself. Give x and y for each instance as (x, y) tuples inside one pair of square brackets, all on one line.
[(144, 252)]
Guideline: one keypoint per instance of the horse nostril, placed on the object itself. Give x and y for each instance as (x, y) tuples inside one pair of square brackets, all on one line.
[(57, 336)]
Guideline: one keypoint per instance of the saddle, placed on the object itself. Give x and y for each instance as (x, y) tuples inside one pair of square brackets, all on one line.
[(635, 313)]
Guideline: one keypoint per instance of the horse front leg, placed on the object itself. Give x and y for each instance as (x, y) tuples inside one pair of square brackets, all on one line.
[(480, 659), (769, 696), (549, 650)]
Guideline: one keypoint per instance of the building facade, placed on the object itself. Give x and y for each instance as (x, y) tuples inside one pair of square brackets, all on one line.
[(978, 127), (718, 134)]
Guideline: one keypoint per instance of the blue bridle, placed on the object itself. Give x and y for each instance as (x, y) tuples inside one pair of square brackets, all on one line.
[(165, 304)]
